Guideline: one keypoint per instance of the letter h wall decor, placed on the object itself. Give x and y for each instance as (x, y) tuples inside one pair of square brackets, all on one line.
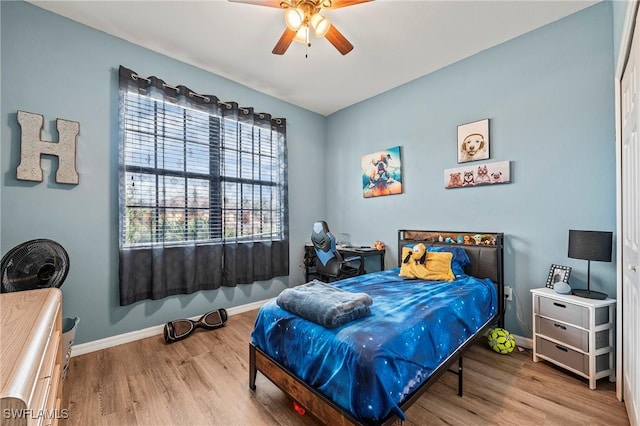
[(32, 147)]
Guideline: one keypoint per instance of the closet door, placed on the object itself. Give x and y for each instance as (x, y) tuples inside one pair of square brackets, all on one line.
[(630, 159)]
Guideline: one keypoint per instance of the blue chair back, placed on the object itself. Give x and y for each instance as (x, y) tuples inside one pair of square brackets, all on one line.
[(324, 242)]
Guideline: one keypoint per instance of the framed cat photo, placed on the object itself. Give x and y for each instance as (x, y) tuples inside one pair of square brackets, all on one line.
[(473, 141), (558, 273)]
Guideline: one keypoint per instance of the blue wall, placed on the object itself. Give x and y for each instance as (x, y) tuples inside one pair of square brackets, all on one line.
[(61, 69), (549, 95), (619, 8)]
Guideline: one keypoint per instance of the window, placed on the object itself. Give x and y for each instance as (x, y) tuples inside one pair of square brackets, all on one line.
[(194, 176), (202, 192)]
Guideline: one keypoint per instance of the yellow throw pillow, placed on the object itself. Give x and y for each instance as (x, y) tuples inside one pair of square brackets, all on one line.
[(437, 266)]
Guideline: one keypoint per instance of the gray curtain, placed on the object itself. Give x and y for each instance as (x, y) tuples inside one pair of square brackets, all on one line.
[(197, 215)]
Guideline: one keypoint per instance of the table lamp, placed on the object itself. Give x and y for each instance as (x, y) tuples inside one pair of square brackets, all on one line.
[(590, 245)]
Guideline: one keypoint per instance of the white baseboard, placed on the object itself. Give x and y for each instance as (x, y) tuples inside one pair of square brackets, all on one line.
[(523, 342), (107, 342)]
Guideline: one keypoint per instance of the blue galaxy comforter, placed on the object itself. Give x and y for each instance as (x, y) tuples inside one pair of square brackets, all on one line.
[(368, 366)]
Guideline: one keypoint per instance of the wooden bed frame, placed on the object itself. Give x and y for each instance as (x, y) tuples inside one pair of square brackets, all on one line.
[(486, 253)]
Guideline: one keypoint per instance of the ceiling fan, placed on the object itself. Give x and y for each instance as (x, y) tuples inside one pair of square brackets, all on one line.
[(303, 15)]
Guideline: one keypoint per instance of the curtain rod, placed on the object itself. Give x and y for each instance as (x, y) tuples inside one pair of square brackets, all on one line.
[(206, 98)]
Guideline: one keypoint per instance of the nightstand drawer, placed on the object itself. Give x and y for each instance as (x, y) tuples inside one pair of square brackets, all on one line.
[(562, 311), (566, 334), (570, 358), (563, 355)]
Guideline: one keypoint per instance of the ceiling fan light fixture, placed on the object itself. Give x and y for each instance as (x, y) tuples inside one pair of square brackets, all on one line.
[(294, 18), (301, 16), (320, 24), (302, 35)]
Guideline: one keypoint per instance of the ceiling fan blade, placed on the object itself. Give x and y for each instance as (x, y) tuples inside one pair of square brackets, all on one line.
[(339, 41), (335, 4), (267, 3), (285, 40)]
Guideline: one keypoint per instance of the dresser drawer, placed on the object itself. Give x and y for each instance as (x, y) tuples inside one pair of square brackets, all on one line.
[(562, 311), (566, 334)]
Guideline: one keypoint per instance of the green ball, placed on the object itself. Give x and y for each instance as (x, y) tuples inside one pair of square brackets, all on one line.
[(501, 341)]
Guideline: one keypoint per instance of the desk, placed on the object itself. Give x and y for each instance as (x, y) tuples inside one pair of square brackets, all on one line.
[(372, 259)]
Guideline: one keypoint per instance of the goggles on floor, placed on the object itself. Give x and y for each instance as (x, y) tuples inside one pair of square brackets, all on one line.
[(183, 328)]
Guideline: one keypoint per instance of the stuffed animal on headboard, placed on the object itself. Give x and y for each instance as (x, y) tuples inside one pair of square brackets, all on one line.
[(418, 254)]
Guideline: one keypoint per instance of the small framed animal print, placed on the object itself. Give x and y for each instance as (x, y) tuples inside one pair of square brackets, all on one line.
[(558, 273), (473, 141), (477, 175)]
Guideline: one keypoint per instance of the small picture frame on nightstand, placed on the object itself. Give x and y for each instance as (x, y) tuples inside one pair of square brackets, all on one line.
[(558, 273)]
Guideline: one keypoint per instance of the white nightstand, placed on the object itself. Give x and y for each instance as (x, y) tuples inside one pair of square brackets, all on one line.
[(575, 333)]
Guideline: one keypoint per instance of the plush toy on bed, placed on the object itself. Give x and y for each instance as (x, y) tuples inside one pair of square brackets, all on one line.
[(418, 254), (419, 263)]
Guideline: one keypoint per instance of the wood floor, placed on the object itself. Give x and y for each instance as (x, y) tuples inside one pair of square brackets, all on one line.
[(203, 380)]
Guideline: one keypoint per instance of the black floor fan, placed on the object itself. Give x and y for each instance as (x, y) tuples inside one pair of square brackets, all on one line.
[(34, 264)]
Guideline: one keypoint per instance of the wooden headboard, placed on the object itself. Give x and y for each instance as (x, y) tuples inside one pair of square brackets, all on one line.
[(485, 251)]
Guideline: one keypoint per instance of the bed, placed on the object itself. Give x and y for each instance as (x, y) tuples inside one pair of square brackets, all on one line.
[(369, 371)]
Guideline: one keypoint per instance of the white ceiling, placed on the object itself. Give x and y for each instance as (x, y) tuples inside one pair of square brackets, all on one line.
[(394, 41)]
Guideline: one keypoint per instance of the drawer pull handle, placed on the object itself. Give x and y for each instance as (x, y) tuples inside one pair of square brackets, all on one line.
[(560, 305), (561, 327), (562, 348)]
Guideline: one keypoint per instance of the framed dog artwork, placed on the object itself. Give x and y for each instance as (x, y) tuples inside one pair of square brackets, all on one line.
[(473, 141), (382, 173)]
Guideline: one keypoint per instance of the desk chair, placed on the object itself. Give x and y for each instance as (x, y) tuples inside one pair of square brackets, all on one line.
[(330, 264)]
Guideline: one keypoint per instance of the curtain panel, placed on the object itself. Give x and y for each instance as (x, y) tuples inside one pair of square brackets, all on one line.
[(203, 192)]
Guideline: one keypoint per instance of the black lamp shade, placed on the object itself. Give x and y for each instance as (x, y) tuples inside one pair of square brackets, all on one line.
[(590, 245)]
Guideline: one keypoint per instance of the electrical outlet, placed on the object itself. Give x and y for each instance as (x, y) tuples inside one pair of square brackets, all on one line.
[(508, 295)]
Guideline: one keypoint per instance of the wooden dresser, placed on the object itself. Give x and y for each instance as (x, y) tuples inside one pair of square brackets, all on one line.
[(31, 357)]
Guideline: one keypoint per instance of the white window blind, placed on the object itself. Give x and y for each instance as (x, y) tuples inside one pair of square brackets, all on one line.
[(193, 176)]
